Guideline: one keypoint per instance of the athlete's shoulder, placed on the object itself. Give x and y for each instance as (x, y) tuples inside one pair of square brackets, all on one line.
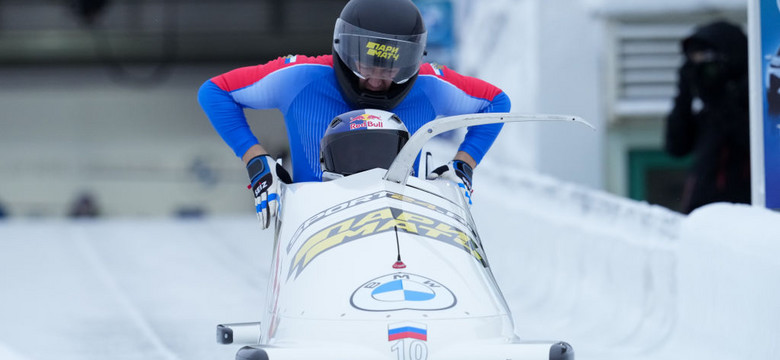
[(470, 85), (435, 70), (291, 60), (248, 75)]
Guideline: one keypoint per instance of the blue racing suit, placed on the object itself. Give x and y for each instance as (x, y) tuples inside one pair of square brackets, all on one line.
[(307, 93)]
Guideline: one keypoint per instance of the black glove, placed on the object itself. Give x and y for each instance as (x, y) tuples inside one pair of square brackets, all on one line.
[(686, 81), (458, 172)]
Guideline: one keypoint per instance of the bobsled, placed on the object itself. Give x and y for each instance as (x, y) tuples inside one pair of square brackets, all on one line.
[(385, 265)]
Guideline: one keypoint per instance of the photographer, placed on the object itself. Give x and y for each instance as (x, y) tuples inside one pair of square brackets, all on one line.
[(710, 117)]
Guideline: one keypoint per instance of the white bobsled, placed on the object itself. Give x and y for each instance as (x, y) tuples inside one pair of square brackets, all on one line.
[(383, 265)]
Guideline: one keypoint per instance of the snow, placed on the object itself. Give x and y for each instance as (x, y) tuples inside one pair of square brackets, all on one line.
[(618, 278), (614, 277)]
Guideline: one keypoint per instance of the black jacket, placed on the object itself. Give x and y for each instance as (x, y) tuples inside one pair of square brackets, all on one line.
[(718, 134)]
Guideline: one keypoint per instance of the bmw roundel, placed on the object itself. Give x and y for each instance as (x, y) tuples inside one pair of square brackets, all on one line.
[(402, 291)]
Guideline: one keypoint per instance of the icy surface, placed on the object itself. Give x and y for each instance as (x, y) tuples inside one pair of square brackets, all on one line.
[(615, 278), (118, 289)]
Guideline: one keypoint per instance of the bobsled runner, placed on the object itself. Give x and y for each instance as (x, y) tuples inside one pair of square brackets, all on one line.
[(384, 265)]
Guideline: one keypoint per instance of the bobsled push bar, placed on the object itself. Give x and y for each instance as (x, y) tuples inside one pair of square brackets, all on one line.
[(402, 165)]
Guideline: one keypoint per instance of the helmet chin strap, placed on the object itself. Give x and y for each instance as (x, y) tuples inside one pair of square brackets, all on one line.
[(379, 95), (384, 100)]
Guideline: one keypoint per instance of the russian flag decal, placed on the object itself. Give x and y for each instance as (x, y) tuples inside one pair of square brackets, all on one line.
[(437, 69), (406, 330)]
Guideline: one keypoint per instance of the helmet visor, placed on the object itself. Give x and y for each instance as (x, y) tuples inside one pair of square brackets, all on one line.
[(355, 151), (371, 54)]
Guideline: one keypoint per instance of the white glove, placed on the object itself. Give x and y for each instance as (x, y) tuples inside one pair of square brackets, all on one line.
[(265, 187), (458, 172)]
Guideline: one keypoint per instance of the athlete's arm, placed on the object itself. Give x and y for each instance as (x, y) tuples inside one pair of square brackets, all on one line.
[(465, 157), (467, 95), (272, 85), (254, 150), (479, 139)]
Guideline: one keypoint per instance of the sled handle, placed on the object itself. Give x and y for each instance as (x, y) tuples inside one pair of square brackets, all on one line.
[(402, 165)]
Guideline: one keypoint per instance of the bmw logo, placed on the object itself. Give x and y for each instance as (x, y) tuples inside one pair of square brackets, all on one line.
[(402, 291)]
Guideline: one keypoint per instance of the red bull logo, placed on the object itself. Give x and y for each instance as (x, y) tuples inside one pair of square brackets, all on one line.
[(365, 121)]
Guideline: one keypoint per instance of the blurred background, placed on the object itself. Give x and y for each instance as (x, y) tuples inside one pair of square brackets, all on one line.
[(99, 115), (99, 118)]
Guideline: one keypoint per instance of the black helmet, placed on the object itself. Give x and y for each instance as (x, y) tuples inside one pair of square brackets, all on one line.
[(361, 140), (387, 36)]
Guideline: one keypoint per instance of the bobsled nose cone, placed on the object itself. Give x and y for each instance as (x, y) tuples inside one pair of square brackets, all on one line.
[(561, 351)]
